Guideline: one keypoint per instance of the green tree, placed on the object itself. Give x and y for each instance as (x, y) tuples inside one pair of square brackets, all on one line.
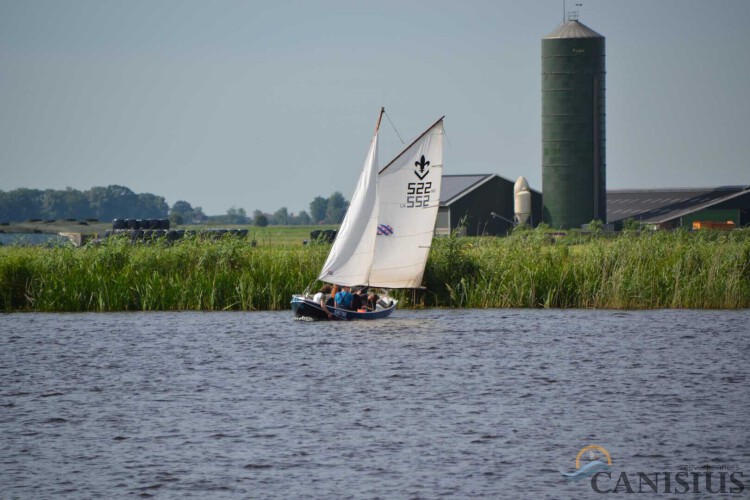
[(237, 216), (55, 204), (176, 218), (152, 206), (336, 208), (281, 217), (260, 219), (21, 204), (104, 203), (303, 219), (113, 202), (199, 215), (77, 204), (182, 210), (318, 209)]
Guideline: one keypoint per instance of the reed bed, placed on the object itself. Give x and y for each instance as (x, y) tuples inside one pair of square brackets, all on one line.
[(189, 275), (704, 270), (528, 269)]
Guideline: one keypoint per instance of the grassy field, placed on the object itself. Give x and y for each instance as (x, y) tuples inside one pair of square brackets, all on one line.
[(270, 235), (58, 226), (528, 269), (264, 236)]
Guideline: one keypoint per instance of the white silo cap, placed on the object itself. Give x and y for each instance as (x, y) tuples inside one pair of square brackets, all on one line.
[(520, 185)]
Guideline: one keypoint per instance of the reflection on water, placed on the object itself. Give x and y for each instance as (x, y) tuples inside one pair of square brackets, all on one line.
[(477, 403)]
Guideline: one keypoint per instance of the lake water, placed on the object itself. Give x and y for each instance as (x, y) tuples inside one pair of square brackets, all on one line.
[(33, 239), (425, 404)]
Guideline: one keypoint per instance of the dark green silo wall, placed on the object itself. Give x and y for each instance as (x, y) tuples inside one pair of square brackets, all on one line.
[(573, 131)]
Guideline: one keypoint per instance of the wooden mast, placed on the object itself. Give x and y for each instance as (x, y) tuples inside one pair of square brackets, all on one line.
[(377, 126)]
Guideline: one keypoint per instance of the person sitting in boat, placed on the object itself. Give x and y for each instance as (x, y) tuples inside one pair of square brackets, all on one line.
[(362, 301), (357, 300), (371, 302), (343, 299), (331, 302), (321, 297), (323, 294)]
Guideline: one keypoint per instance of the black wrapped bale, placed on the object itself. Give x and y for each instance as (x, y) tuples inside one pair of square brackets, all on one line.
[(330, 235)]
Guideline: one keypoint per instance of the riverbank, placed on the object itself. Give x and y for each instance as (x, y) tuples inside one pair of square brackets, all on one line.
[(528, 269)]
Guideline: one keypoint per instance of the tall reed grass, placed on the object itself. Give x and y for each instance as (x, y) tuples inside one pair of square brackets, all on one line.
[(189, 275), (632, 271), (659, 270)]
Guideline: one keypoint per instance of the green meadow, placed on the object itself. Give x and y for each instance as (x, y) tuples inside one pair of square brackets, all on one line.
[(531, 268), (269, 235)]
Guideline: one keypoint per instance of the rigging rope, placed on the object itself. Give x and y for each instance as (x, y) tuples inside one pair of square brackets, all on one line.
[(392, 125)]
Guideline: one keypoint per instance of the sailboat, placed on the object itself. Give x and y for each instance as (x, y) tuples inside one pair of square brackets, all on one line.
[(385, 238)]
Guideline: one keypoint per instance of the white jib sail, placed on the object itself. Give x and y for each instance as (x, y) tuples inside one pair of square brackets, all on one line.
[(351, 255), (409, 190)]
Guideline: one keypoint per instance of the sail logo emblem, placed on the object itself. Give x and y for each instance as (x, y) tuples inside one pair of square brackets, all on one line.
[(422, 168), (599, 460), (385, 230)]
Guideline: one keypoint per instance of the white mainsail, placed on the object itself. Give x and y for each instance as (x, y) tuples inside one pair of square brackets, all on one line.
[(350, 258), (409, 190), (385, 238)]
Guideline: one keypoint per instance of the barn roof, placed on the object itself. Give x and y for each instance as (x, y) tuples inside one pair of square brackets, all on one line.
[(456, 186), (660, 205)]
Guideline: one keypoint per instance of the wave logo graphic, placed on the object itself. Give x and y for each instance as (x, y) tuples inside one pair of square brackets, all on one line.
[(599, 460), (384, 230)]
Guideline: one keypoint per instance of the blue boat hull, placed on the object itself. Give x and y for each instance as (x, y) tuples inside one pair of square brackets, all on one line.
[(305, 307)]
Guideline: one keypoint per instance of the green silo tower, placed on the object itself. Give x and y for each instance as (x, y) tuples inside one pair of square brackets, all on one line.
[(574, 184)]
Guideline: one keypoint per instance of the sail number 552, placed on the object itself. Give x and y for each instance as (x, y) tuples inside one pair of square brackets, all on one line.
[(418, 194)]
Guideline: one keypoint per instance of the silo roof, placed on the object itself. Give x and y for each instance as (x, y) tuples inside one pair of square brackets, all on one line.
[(573, 29)]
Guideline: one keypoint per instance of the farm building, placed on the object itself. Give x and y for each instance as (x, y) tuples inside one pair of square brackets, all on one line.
[(485, 203), (482, 204), (672, 208)]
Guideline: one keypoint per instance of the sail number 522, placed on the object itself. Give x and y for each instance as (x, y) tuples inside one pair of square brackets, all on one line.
[(418, 194)]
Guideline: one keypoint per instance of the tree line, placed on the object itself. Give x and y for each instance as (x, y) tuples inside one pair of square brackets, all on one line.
[(119, 202), (329, 210), (102, 203)]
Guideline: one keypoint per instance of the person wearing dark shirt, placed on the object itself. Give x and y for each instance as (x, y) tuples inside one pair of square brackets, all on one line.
[(356, 302), (371, 302)]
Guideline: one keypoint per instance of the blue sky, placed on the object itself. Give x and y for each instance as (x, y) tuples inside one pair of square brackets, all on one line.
[(264, 104)]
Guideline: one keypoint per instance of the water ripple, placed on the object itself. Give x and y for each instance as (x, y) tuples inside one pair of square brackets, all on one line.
[(436, 403)]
